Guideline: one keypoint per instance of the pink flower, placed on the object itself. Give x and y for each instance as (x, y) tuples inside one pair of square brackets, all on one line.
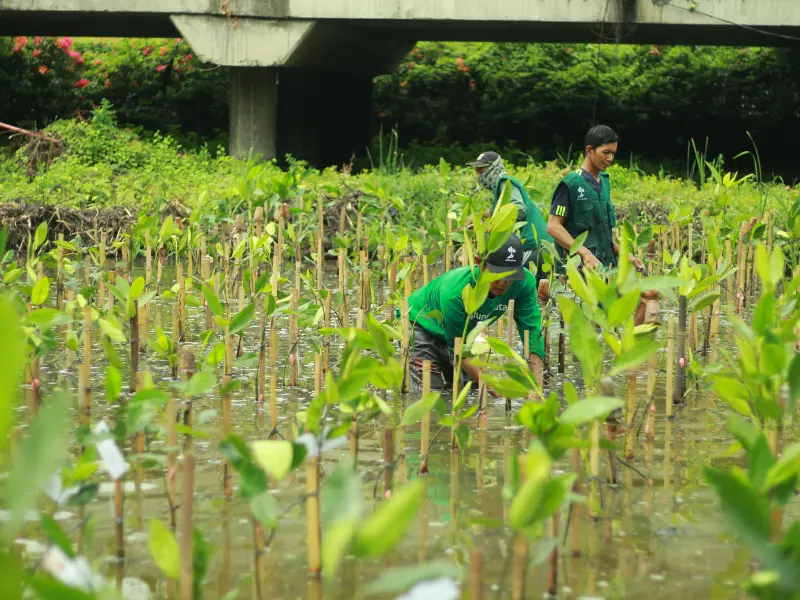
[(147, 50), (411, 65), (43, 70), (64, 43), (178, 68), (473, 84), (81, 83), (655, 51), (179, 40), (108, 83), (160, 68), (163, 50), (37, 53), (188, 57), (38, 40), (403, 83), (76, 56), (68, 69), (19, 43), (98, 61)]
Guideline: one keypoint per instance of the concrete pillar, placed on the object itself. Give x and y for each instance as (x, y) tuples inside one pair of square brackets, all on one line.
[(253, 112), (324, 116)]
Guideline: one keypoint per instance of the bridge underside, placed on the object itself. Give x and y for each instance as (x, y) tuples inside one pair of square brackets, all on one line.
[(136, 24), (303, 87)]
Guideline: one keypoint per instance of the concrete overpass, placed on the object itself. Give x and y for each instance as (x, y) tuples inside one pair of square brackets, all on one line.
[(302, 69)]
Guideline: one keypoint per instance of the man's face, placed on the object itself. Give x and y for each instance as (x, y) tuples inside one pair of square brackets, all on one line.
[(602, 156), (498, 288), (479, 170)]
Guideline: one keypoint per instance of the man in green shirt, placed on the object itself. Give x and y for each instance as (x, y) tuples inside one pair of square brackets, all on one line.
[(582, 202), (434, 336), (492, 176)]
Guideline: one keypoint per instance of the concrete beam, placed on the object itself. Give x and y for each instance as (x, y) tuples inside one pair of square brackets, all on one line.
[(253, 112), (242, 42)]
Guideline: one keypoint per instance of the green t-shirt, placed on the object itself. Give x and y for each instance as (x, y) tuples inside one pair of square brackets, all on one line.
[(443, 294)]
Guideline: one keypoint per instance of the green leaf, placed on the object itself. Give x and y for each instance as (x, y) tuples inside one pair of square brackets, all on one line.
[(241, 319), (772, 359), (570, 393), (794, 382), (40, 292), (525, 502), (335, 542), (743, 430), (49, 588), (759, 463), (201, 383), (47, 317), (137, 287), (704, 301), (462, 397), (40, 236), (398, 579), (41, 452), (265, 509), (622, 308), (113, 384), (201, 553), (213, 302), (589, 409), (417, 411), (788, 466), (744, 509), (508, 388), (639, 354), (274, 456), (56, 535), (382, 530), (577, 243), (341, 495), (776, 265), (734, 393), (164, 549), (111, 330), (216, 355), (502, 222)]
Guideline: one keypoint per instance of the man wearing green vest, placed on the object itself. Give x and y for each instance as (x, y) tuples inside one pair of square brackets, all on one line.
[(492, 176), (582, 202), (434, 334)]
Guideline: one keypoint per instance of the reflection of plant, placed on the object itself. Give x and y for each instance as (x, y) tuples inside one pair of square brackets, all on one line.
[(762, 385)]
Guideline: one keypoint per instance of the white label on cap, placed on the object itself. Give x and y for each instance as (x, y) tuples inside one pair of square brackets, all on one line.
[(511, 253), (110, 453)]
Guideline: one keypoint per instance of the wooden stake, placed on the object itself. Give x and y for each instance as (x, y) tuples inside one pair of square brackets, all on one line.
[(312, 516), (426, 420), (680, 388), (476, 576), (186, 541), (670, 365), (520, 551), (388, 460), (273, 383)]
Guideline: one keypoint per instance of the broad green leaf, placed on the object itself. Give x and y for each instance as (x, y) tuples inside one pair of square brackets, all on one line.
[(743, 430), (40, 236), (335, 543), (704, 301), (772, 359), (570, 393), (56, 535), (274, 456), (639, 354), (201, 383), (384, 529), (734, 393), (216, 355), (47, 317), (776, 265), (509, 388), (137, 287), (760, 461), (241, 319), (341, 496), (49, 588), (462, 397), (525, 502), (164, 549), (40, 292), (265, 509), (578, 242), (788, 466), (622, 308), (417, 411), (745, 510), (589, 409), (213, 302), (111, 330), (794, 382), (578, 283), (502, 222), (113, 384)]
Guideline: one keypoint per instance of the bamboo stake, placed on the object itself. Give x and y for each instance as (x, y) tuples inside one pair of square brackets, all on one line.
[(425, 275), (552, 572), (426, 420), (520, 549), (148, 259), (186, 541), (317, 374), (294, 341), (139, 440), (273, 383), (406, 333), (312, 517), (172, 442), (476, 575), (388, 460), (326, 339), (670, 365), (680, 388), (101, 292), (227, 474), (134, 324), (119, 519)]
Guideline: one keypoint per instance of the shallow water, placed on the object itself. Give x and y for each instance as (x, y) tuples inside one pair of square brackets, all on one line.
[(661, 534)]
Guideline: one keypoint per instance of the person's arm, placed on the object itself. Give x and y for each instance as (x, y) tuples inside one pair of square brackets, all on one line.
[(528, 318), (559, 210)]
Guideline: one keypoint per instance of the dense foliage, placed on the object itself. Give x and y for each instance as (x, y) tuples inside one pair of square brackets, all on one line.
[(537, 98)]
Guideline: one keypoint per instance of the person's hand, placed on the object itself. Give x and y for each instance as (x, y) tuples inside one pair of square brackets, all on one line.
[(492, 393), (589, 260), (468, 224), (637, 262)]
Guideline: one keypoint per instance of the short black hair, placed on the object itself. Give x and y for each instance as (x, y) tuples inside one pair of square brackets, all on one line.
[(599, 135)]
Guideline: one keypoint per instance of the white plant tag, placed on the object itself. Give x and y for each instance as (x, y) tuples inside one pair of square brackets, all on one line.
[(110, 453), (74, 573)]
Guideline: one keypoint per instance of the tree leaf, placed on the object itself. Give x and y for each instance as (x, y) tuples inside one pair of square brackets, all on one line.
[(40, 292), (639, 354), (274, 456), (502, 222), (383, 529), (113, 384), (265, 509), (213, 302), (622, 308), (111, 330), (577, 243), (164, 549), (509, 388), (398, 579), (56, 535), (201, 383), (417, 411), (788, 466), (137, 287), (40, 236), (589, 409), (241, 319), (734, 393)]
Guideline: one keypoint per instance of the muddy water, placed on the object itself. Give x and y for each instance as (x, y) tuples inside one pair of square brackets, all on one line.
[(660, 535)]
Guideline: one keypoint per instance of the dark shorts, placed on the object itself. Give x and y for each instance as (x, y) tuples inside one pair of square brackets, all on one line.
[(425, 346)]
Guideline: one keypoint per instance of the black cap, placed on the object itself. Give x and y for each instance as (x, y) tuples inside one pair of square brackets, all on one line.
[(485, 159), (507, 258)]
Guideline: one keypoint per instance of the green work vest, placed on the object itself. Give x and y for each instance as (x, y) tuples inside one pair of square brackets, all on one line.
[(533, 217), (593, 213)]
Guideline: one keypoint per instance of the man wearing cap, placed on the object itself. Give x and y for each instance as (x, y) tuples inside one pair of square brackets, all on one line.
[(492, 176), (434, 336)]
